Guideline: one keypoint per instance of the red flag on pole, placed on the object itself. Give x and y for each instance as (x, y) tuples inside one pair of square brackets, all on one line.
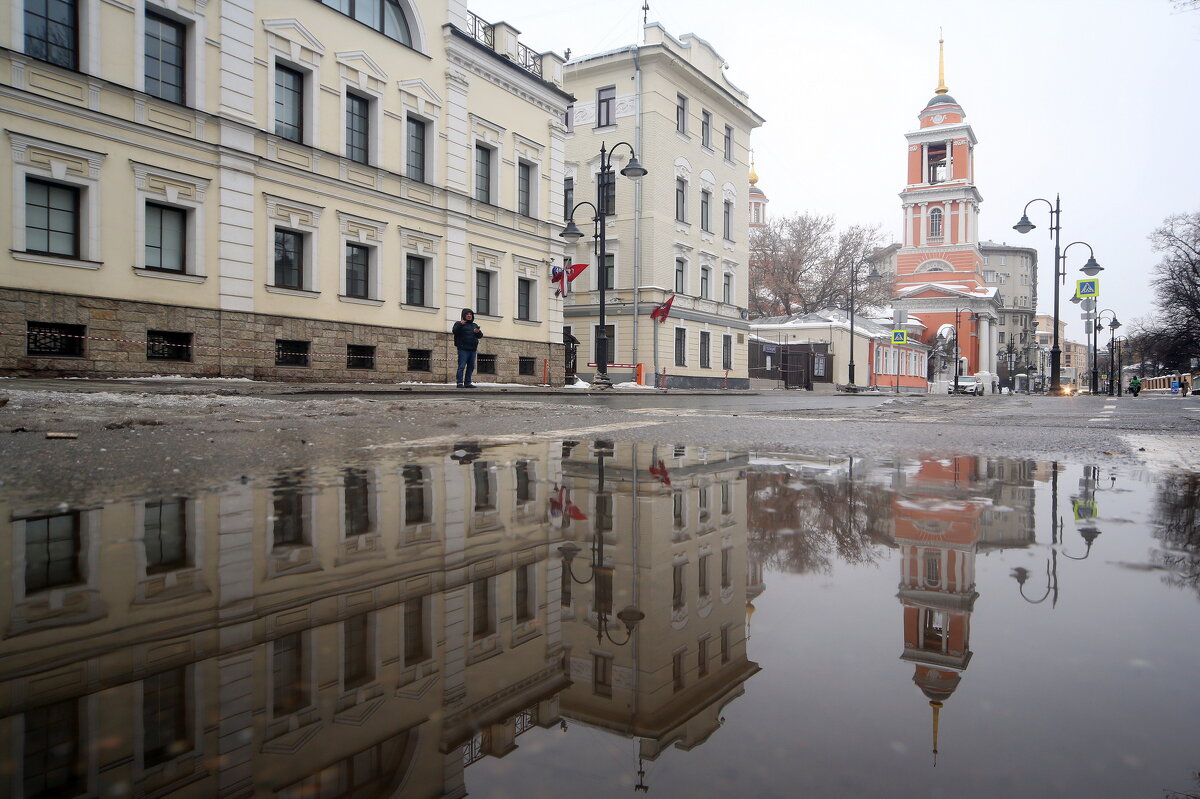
[(562, 276), (663, 310)]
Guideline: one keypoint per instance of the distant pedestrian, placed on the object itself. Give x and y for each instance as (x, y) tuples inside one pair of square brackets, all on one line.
[(1135, 385), (466, 341), (1184, 386)]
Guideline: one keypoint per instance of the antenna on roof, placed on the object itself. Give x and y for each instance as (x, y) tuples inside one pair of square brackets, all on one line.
[(645, 12)]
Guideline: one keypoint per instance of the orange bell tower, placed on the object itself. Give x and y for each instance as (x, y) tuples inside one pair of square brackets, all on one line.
[(939, 266)]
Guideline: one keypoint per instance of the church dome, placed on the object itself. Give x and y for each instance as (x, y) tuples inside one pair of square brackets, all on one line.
[(941, 99)]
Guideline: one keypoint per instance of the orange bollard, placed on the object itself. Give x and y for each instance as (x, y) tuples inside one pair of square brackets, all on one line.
[(641, 374)]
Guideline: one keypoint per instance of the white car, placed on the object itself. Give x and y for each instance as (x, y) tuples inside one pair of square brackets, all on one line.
[(967, 384)]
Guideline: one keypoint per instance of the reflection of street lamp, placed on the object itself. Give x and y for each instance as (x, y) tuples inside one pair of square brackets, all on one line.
[(573, 234), (602, 575), (872, 277), (1060, 274)]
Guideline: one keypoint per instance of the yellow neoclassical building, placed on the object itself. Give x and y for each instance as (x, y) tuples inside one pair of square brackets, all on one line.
[(281, 189)]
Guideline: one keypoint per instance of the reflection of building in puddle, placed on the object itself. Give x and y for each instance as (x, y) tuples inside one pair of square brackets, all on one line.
[(368, 630), (662, 530), (944, 513)]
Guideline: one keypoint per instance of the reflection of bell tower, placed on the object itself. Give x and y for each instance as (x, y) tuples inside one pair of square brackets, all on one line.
[(937, 528)]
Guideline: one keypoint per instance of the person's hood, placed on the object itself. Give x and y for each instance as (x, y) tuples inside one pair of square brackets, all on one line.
[(465, 311)]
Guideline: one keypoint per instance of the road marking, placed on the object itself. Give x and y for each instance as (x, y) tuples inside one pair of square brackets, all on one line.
[(1109, 407)]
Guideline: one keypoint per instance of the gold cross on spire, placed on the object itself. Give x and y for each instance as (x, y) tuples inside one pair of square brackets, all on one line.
[(941, 87)]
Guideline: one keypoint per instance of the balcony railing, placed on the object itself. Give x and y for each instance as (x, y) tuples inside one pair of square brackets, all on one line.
[(483, 31)]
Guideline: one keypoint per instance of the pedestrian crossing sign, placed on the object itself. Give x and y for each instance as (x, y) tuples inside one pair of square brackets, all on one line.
[(1087, 288), (899, 337)]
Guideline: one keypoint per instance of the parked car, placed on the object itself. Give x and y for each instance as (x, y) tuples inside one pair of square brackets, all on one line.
[(967, 384)]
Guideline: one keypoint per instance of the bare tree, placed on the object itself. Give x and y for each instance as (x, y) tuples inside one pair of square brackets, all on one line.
[(1176, 326), (802, 263)]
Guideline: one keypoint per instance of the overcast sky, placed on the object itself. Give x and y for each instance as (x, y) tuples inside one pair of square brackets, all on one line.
[(1093, 99)]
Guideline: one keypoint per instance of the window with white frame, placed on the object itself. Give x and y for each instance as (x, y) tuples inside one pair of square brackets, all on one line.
[(706, 210), (359, 269), (568, 196), (416, 280), (705, 350), (526, 299), (681, 346), (485, 292), (170, 222), (358, 127), (290, 103), (935, 223), (680, 276), (727, 221), (705, 281), (726, 359), (415, 150), (727, 289), (680, 200), (609, 273), (606, 106), (389, 17), (484, 173), (292, 240), (56, 202), (165, 68), (166, 238), (681, 112), (706, 128), (526, 188), (52, 31), (729, 143), (290, 258)]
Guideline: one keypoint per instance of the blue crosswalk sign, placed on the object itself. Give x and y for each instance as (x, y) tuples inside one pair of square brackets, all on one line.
[(899, 337), (1087, 288)]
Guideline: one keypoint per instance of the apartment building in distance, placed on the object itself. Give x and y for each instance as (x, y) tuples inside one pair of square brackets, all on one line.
[(680, 231), (297, 190), (1013, 271)]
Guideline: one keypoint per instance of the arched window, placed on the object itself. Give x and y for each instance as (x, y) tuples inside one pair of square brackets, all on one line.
[(386, 16), (935, 223)]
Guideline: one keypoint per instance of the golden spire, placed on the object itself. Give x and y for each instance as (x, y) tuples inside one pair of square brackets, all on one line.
[(936, 705), (753, 174), (941, 88)]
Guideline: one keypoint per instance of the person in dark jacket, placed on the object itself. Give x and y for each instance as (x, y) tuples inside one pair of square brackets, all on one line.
[(466, 340)]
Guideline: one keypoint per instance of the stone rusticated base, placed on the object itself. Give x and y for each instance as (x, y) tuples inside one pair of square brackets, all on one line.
[(238, 344)]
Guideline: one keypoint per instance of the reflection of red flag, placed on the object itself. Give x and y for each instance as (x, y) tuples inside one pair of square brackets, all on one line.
[(575, 513), (660, 471), (662, 311)]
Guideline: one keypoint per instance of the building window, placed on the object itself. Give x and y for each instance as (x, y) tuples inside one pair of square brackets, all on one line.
[(360, 356), (678, 589), (729, 143), (51, 218), (706, 128), (165, 58), (935, 161), (610, 334), (677, 671), (358, 128), (356, 651), (524, 599), (523, 470), (524, 298), (415, 269), (680, 276), (53, 763), (705, 281), (358, 271), (485, 363), (165, 345), (569, 118), (678, 518), (609, 275), (289, 103), (680, 200), (680, 346), (727, 221), (289, 259), (705, 359), (935, 223), (727, 352), (524, 188), (727, 288), (483, 173), (568, 197), (165, 535), (166, 238), (164, 717), (48, 338), (52, 545), (356, 488), (702, 568), (602, 675), (483, 292), (481, 609), (706, 211), (702, 658), (52, 31), (291, 353), (416, 645), (606, 106), (724, 644), (416, 150), (726, 564), (420, 360), (385, 16), (681, 110), (526, 365), (289, 526)]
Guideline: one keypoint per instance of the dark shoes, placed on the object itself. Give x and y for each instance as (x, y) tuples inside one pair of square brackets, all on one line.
[(464, 385)]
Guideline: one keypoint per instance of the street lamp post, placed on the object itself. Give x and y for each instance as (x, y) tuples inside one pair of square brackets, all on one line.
[(957, 352), (1112, 327), (871, 278), (1060, 275), (1120, 365), (572, 234)]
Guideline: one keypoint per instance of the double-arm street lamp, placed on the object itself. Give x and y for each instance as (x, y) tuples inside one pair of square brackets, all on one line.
[(1091, 268), (572, 234), (957, 353), (872, 277), (1112, 332)]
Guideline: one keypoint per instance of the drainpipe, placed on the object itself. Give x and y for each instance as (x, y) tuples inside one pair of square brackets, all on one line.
[(637, 207)]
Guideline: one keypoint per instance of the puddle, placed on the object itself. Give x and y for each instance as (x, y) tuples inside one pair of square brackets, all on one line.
[(521, 619)]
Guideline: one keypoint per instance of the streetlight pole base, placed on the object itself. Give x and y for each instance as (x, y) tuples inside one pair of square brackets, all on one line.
[(602, 382)]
